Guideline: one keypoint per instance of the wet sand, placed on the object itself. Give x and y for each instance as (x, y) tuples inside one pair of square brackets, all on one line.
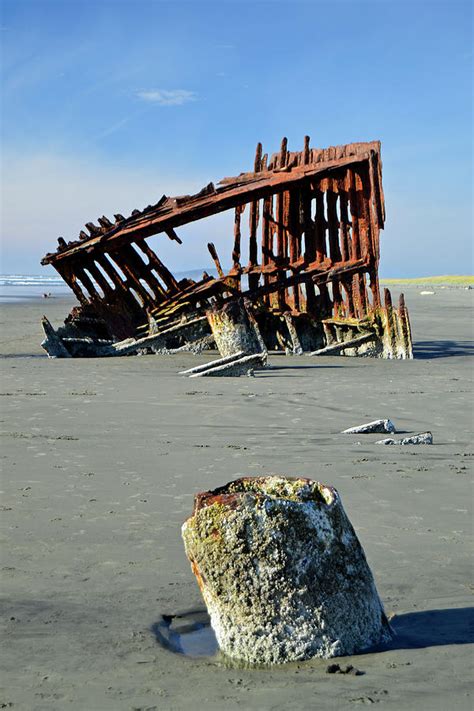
[(101, 459)]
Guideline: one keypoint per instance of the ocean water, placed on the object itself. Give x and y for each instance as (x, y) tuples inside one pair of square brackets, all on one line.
[(27, 287)]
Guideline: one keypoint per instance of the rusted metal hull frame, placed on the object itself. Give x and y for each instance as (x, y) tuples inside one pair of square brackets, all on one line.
[(313, 243)]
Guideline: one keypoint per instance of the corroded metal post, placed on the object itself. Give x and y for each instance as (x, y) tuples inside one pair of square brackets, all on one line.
[(282, 572)]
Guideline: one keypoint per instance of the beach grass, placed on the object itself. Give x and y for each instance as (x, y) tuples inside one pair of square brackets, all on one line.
[(448, 280)]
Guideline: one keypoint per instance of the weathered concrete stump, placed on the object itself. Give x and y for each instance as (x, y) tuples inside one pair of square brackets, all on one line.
[(234, 329), (282, 572)]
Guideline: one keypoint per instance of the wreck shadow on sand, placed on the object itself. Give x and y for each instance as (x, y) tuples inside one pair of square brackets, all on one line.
[(429, 350), (190, 633), (313, 366), (431, 628), (5, 356)]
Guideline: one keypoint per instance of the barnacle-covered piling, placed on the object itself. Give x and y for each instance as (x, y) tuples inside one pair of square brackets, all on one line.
[(282, 571)]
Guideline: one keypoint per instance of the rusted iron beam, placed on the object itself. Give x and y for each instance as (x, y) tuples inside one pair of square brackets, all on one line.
[(269, 183)]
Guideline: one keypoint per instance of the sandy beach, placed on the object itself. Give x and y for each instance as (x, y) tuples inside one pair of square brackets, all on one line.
[(101, 460)]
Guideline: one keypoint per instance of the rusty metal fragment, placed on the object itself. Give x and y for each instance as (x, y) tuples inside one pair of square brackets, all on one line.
[(310, 284)]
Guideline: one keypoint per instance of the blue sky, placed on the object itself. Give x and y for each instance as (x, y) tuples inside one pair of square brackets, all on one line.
[(108, 104)]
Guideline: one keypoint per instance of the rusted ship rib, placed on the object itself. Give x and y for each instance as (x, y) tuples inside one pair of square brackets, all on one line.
[(312, 220)]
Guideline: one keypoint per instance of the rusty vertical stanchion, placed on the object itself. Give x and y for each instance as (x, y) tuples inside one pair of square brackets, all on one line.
[(237, 239), (267, 242), (306, 153), (358, 284), (389, 332), (307, 228), (280, 230), (309, 245), (405, 328), (288, 298), (345, 241), (253, 224), (369, 196), (321, 247), (334, 246), (365, 236), (294, 239)]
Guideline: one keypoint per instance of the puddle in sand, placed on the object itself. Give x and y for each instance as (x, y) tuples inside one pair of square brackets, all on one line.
[(189, 633)]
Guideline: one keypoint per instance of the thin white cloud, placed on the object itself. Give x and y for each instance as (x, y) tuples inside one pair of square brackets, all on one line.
[(114, 127), (165, 97)]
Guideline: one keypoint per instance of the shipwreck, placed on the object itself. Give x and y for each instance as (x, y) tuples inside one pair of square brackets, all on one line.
[(310, 223)]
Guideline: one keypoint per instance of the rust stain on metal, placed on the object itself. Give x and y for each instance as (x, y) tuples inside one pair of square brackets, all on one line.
[(311, 280)]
